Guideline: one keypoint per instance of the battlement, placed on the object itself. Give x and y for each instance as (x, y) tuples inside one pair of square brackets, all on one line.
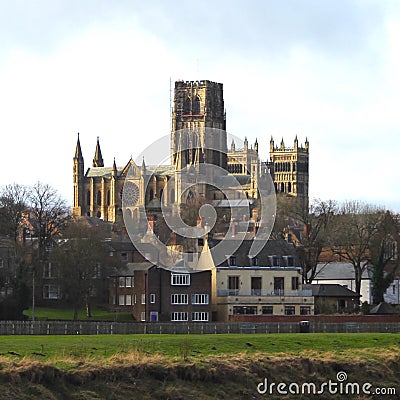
[(199, 83)]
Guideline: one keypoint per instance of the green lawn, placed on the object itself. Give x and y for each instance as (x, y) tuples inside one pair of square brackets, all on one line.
[(196, 346), (43, 313)]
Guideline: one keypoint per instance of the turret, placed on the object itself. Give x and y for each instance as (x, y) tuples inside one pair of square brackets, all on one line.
[(271, 144), (282, 145), (256, 145), (98, 158), (307, 145), (296, 143), (233, 146), (246, 144)]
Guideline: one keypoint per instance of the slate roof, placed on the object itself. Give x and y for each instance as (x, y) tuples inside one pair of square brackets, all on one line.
[(339, 270), (384, 308), (330, 290)]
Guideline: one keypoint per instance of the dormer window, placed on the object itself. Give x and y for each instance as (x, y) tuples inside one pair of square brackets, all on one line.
[(276, 262)]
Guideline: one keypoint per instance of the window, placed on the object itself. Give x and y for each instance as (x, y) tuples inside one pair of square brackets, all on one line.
[(254, 261), (252, 310), (128, 281), (187, 106), (295, 282), (97, 271), (290, 259), (232, 260), (124, 256), (143, 298), (1, 263), (51, 292), (276, 261), (180, 279), (128, 300), (121, 281), (267, 310), (108, 198), (153, 316), (305, 310), (233, 285), (121, 300), (196, 105), (199, 298), (290, 310), (143, 316), (179, 299), (152, 298), (256, 285), (179, 316), (48, 271), (279, 285), (88, 198), (99, 198), (200, 316)]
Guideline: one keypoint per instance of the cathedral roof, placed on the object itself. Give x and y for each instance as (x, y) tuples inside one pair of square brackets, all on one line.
[(101, 171)]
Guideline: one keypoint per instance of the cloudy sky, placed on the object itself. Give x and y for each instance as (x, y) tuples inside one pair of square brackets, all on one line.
[(327, 70)]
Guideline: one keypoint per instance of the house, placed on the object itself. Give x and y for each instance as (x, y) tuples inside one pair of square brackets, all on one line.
[(342, 273), (265, 285), (154, 293), (333, 298)]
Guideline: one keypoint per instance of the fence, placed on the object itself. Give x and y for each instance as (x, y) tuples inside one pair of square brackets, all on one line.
[(110, 328)]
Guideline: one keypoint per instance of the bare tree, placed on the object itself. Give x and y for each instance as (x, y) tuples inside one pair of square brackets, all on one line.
[(13, 205), (353, 231), (80, 257), (384, 255)]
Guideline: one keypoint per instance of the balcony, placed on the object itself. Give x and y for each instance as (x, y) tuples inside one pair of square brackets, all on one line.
[(263, 292)]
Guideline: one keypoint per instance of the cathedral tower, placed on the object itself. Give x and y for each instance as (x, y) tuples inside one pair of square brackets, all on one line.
[(199, 105), (78, 178)]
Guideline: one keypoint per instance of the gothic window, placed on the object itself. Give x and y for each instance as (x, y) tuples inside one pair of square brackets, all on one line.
[(282, 187), (289, 187), (151, 194), (99, 198), (88, 198), (186, 106), (108, 198), (196, 105), (98, 214)]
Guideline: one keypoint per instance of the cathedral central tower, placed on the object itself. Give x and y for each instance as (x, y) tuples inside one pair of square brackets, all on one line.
[(199, 105)]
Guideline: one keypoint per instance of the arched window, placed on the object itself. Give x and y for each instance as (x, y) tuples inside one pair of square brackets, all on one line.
[(98, 214), (196, 105), (88, 198), (289, 187), (186, 106), (151, 194), (108, 198), (282, 187), (99, 198), (172, 196)]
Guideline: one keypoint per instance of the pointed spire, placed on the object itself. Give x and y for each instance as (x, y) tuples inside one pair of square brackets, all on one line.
[(296, 143), (282, 144), (307, 144), (246, 143), (233, 146), (256, 145), (143, 170), (115, 171), (78, 150), (98, 158)]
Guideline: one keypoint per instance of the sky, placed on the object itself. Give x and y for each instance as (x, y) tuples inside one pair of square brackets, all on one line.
[(325, 70)]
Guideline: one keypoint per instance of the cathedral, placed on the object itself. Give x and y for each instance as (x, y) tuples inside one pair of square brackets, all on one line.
[(198, 138)]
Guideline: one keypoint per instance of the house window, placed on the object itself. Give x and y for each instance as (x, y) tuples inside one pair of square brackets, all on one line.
[(200, 316), (290, 310), (256, 285), (232, 261), (179, 299), (128, 281), (290, 260), (51, 292), (152, 298), (199, 298), (143, 316), (180, 279), (179, 316), (276, 261), (267, 310), (121, 281), (295, 282), (121, 300), (97, 271), (254, 261), (128, 300), (153, 316), (305, 310), (279, 285), (252, 310), (233, 285), (124, 256), (48, 271), (143, 298)]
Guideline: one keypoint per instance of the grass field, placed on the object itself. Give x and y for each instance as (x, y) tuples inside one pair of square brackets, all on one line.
[(43, 313), (193, 346)]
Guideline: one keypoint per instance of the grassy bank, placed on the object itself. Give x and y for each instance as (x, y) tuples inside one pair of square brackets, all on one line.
[(191, 366)]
